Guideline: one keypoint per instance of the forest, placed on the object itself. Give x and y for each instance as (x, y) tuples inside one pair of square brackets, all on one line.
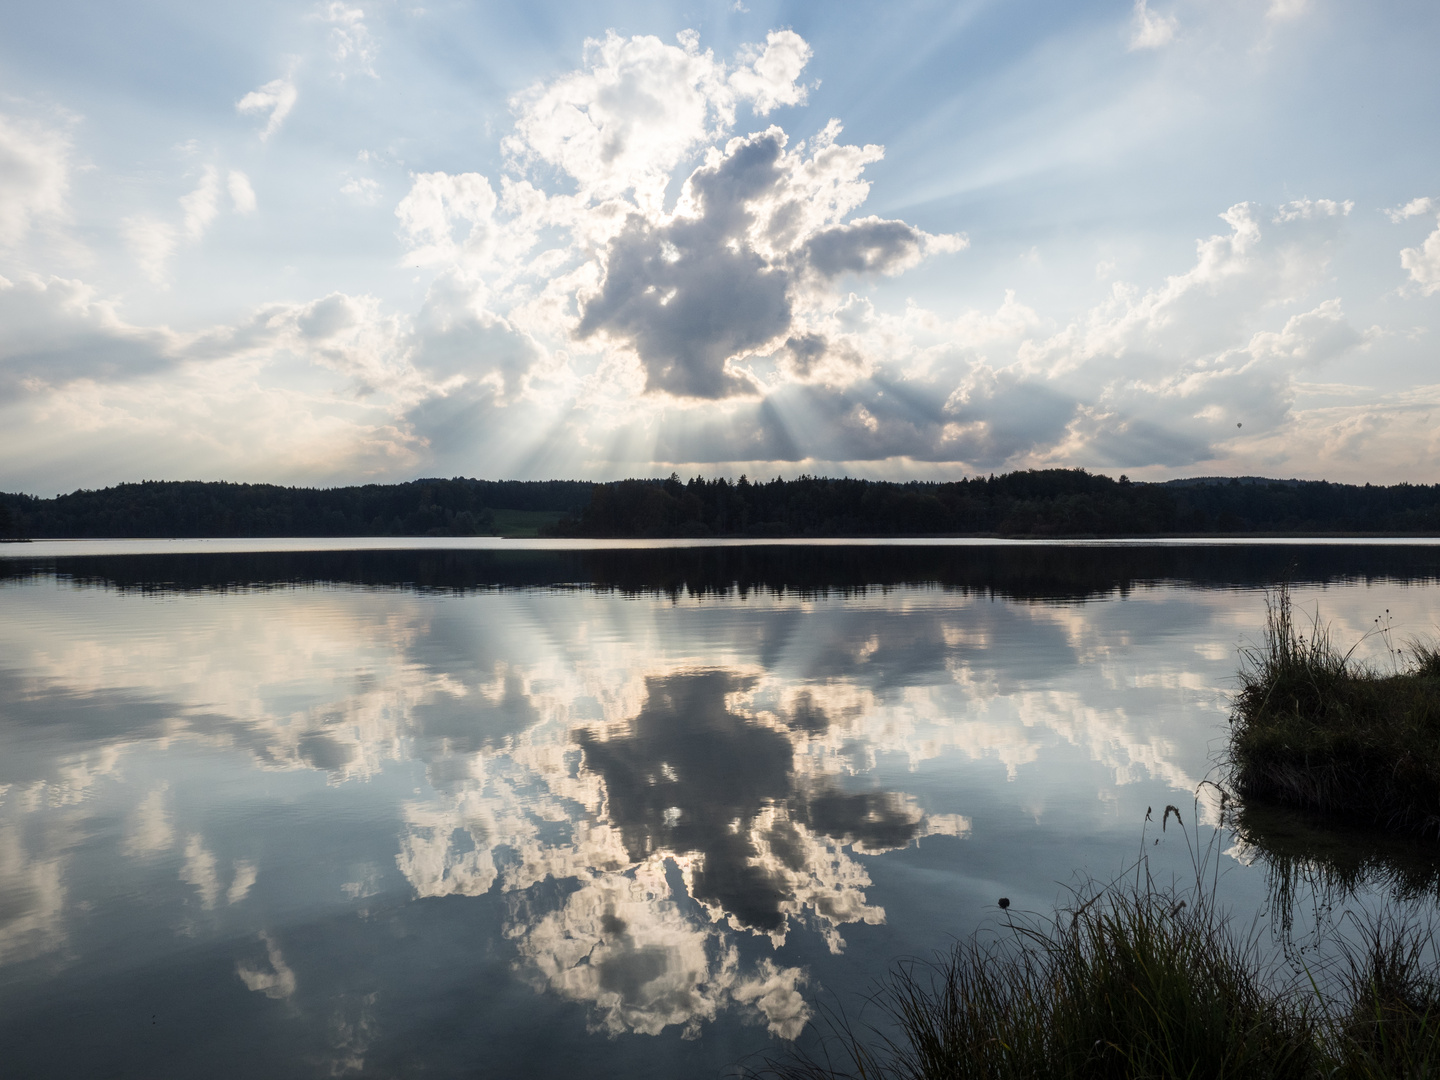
[(1039, 503), (1042, 503), (173, 509)]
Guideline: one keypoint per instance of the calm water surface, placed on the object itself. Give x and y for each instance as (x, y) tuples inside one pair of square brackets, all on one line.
[(565, 813)]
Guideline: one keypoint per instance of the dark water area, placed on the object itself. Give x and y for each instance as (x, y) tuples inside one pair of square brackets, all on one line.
[(1022, 572), (458, 813)]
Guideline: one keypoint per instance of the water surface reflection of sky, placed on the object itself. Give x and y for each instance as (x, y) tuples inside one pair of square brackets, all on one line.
[(353, 829)]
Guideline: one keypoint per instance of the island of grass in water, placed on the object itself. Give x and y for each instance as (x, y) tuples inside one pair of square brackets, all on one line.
[(1316, 729)]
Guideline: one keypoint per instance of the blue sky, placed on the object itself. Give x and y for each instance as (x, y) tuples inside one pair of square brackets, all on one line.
[(336, 242)]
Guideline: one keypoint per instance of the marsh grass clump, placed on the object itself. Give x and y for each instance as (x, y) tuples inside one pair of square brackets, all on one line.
[(1135, 981), (1129, 980), (1389, 1021), (1316, 729)]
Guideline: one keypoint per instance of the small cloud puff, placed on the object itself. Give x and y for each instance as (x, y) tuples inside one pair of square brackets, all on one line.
[(276, 98), (1285, 10), (362, 189), (350, 41), (1311, 210), (199, 208), (1423, 264), (1414, 208), (1149, 30), (767, 78), (242, 195)]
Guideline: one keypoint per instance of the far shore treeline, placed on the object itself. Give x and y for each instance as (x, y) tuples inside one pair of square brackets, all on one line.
[(1049, 502)]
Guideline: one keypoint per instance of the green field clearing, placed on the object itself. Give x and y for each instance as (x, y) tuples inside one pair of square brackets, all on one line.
[(524, 523)]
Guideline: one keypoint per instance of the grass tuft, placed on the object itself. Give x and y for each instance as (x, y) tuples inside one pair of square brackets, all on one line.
[(1316, 729), (1135, 981), (1390, 1023)]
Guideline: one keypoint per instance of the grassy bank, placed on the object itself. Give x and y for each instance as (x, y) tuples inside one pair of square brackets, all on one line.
[(1318, 730), (1138, 981)]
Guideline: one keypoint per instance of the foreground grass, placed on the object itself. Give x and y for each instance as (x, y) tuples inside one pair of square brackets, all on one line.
[(1317, 730), (1137, 981)]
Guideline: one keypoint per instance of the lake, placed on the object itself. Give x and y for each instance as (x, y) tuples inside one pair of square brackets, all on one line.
[(307, 809)]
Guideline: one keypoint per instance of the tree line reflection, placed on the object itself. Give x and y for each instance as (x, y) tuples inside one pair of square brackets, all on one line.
[(1047, 571)]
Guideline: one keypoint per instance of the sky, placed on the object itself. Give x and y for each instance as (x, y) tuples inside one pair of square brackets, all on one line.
[(331, 243)]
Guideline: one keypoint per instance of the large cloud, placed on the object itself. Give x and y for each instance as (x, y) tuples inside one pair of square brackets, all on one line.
[(754, 240), (691, 294), (636, 311), (725, 275)]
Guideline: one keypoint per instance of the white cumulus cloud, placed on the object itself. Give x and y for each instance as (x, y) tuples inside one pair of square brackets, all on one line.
[(768, 77), (1414, 208), (682, 299), (435, 205), (1423, 263)]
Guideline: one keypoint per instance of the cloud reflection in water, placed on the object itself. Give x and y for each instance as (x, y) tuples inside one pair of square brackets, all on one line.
[(698, 779), (663, 798)]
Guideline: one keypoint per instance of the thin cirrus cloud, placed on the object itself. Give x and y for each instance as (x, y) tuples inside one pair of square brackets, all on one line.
[(672, 254), (351, 43), (1149, 29), (242, 195), (199, 208), (34, 177), (153, 241)]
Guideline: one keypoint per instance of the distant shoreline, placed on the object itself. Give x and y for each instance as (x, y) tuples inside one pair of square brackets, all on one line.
[(202, 546), (1048, 504)]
